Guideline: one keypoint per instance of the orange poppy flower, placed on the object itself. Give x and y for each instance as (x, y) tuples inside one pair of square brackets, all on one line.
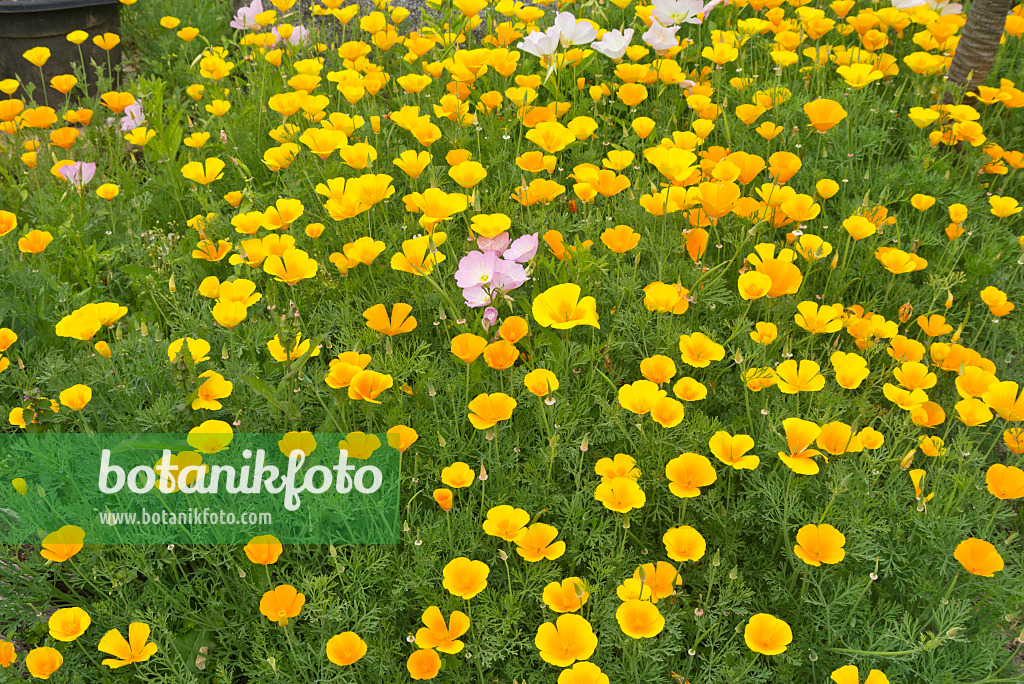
[(439, 634), (486, 410), (423, 664), (541, 382), (538, 542), (620, 494), (568, 639), (367, 385), (978, 557), (620, 239), (732, 450), (513, 329), (817, 544), (800, 434), (63, 544), (639, 619), (824, 114), (282, 602), (398, 322), (500, 355), (345, 648), (566, 596), (684, 543), (465, 578), (640, 396), (263, 550), (506, 522), (767, 634)]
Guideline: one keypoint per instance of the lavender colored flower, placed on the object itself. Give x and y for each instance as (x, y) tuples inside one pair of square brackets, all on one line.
[(498, 243), (476, 269), (133, 117), (522, 249), (508, 275), (476, 297), (490, 317), (79, 174), (297, 37), (245, 18)]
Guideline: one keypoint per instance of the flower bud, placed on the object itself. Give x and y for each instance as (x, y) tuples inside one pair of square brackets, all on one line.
[(906, 311), (908, 459)]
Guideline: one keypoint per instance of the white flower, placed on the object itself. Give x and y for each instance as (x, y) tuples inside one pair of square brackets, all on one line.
[(574, 32), (659, 37), (673, 12), (945, 6), (613, 44), (541, 44), (940, 6)]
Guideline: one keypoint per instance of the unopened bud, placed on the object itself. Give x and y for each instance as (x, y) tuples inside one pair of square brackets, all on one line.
[(334, 552), (717, 560), (908, 459), (951, 634), (171, 286), (502, 555)]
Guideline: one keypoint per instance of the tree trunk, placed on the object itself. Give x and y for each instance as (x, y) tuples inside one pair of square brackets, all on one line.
[(976, 51)]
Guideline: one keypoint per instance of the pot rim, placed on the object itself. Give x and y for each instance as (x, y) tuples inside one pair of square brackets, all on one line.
[(28, 6)]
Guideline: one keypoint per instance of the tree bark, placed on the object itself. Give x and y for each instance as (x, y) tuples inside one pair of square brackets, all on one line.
[(976, 51)]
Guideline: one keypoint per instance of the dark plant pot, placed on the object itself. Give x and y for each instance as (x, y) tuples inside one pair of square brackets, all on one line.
[(25, 24)]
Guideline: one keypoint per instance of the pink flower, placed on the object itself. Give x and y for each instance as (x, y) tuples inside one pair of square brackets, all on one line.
[(297, 37), (133, 117), (79, 173), (490, 317), (498, 243), (245, 18), (522, 249), (508, 275), (476, 269)]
